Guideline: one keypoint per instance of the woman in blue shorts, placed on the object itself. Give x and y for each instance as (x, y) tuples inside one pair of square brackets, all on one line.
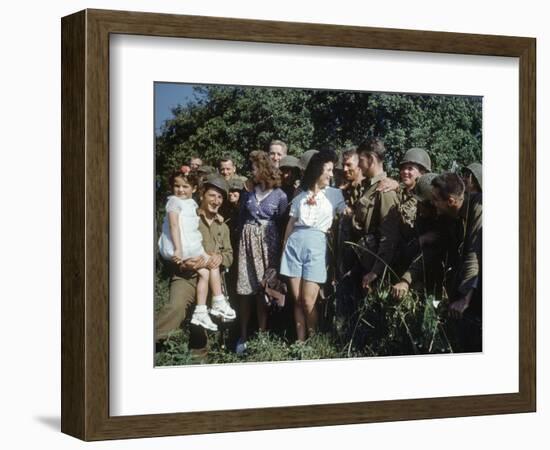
[(305, 243)]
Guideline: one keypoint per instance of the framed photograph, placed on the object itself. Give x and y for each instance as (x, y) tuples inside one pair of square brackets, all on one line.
[(162, 112)]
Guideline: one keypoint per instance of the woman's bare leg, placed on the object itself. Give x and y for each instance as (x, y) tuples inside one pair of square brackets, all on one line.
[(310, 291), (299, 316), (261, 311)]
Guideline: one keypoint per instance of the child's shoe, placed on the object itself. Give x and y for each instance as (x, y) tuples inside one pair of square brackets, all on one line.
[(221, 308), (202, 319)]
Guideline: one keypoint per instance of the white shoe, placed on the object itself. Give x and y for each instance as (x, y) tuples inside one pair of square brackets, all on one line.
[(240, 348), (221, 308), (202, 319)]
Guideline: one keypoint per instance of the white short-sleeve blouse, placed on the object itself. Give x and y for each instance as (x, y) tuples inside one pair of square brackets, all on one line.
[(317, 211)]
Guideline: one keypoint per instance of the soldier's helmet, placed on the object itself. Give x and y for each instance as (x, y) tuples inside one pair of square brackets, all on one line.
[(206, 170), (235, 184), (418, 156), (477, 171), (289, 161), (216, 181), (423, 187), (306, 157)]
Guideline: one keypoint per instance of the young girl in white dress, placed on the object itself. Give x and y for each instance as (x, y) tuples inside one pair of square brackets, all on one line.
[(181, 240)]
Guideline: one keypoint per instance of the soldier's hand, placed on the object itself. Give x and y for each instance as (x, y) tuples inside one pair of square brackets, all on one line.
[(399, 290), (387, 185), (368, 279), (214, 261), (457, 308), (198, 262)]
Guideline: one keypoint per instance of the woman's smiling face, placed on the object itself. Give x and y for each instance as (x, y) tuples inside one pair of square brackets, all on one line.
[(324, 180)]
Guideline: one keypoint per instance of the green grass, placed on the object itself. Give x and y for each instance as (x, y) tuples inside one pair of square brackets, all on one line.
[(379, 326)]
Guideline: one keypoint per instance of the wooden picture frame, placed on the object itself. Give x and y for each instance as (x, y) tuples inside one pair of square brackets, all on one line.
[(85, 227)]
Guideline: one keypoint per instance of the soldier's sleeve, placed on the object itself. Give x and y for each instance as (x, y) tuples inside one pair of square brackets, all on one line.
[(415, 271), (472, 250), (226, 250), (388, 231)]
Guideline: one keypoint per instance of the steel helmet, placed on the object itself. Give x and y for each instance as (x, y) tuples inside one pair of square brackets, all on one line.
[(477, 171), (423, 187), (306, 156), (417, 156)]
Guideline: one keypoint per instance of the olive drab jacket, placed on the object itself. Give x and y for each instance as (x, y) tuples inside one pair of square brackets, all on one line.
[(465, 244), (376, 225), (216, 238)]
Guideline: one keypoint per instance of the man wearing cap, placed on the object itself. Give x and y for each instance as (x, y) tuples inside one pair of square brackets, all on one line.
[(230, 208), (277, 151), (183, 281), (290, 175)]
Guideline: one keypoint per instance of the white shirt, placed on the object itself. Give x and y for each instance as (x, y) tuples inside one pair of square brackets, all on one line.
[(317, 211)]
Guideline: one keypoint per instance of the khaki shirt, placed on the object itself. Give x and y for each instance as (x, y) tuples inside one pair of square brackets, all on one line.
[(376, 215), (352, 193), (215, 237)]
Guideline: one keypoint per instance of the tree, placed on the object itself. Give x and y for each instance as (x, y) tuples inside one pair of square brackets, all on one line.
[(233, 121)]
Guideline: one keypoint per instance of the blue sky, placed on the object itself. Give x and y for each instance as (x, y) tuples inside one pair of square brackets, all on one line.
[(167, 96)]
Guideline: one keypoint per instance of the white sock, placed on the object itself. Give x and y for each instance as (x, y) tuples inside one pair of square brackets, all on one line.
[(201, 309), (218, 298)]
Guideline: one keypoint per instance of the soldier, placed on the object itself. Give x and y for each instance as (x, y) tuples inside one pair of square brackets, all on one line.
[(424, 271), (352, 191), (228, 170), (290, 175), (230, 209), (415, 163), (183, 281), (464, 260), (376, 215), (472, 176), (277, 151)]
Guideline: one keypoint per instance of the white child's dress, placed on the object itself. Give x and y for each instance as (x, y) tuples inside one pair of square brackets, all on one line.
[(191, 238)]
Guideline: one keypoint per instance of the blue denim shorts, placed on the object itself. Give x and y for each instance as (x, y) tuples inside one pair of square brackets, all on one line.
[(305, 255)]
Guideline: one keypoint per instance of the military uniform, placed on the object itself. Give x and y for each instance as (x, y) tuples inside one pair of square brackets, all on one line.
[(375, 225), (464, 246), (344, 254), (183, 284), (408, 246)]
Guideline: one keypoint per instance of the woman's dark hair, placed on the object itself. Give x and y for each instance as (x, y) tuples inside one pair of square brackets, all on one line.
[(190, 178), (315, 167), (268, 175)]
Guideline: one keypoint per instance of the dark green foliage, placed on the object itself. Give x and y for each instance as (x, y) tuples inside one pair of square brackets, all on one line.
[(234, 121)]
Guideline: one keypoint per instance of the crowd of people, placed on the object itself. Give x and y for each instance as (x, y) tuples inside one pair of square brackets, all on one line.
[(296, 225)]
